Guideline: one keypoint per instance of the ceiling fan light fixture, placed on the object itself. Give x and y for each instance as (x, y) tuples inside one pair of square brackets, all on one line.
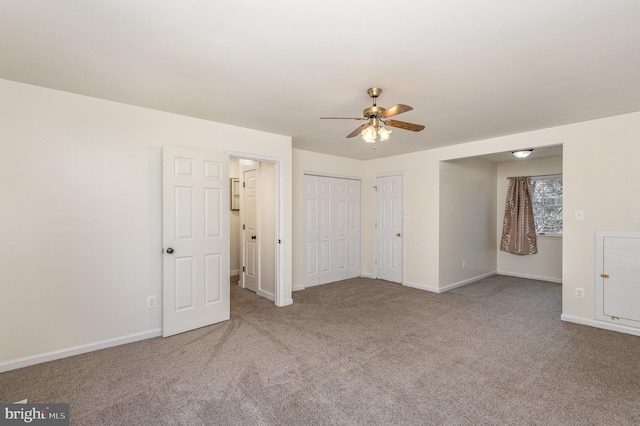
[(376, 115), (369, 134), (524, 153), (384, 133)]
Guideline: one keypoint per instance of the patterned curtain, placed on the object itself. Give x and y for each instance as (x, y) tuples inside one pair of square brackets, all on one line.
[(518, 229)]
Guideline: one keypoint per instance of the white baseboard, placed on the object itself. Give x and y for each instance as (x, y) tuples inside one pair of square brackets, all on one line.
[(90, 347), (266, 295), (467, 281), (366, 276), (298, 287), (532, 277), (449, 286), (421, 287), (601, 324), (287, 302), (234, 272)]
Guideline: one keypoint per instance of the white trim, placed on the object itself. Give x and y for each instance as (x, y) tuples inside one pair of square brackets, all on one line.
[(298, 287), (331, 175), (234, 272), (363, 275), (467, 281), (265, 295), (531, 277), (449, 286), (600, 324), (77, 350), (286, 303), (421, 287)]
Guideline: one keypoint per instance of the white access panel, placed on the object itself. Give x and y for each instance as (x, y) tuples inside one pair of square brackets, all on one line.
[(618, 277)]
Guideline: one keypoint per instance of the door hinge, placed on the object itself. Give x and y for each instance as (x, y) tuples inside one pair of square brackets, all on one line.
[(375, 188), (243, 269), (604, 275), (243, 226), (243, 184), (279, 241), (375, 262), (376, 225)]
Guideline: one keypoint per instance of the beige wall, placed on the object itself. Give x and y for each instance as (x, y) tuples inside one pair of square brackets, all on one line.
[(81, 215), (307, 162), (547, 263), (600, 176), (467, 221)]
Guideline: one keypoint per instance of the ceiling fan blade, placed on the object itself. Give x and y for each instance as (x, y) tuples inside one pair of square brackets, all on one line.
[(342, 118), (395, 110), (359, 130), (403, 125)]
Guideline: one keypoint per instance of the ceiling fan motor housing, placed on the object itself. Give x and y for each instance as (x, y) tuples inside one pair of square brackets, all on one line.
[(372, 111)]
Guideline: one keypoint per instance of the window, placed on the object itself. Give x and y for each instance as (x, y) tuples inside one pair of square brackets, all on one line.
[(547, 205)]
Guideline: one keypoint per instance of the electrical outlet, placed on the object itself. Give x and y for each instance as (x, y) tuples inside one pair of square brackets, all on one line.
[(580, 293), (151, 302)]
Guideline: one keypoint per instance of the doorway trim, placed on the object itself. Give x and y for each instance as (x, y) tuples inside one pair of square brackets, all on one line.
[(280, 298)]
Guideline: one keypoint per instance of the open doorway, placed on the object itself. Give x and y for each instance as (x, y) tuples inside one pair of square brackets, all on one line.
[(472, 202), (254, 226)]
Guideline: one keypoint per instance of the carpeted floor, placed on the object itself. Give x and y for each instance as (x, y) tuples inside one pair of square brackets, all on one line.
[(360, 351)]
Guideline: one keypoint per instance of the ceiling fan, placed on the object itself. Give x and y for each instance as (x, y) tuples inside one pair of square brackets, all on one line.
[(376, 115)]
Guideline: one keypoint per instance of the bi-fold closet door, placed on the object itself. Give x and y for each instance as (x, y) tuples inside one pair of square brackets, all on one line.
[(332, 229)]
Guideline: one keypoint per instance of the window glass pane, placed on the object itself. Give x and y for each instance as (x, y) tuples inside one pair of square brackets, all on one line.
[(547, 205)]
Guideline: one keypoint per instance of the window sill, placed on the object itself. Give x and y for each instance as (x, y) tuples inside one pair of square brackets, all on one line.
[(549, 235)]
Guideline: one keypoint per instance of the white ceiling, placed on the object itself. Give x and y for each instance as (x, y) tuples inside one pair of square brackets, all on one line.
[(472, 69)]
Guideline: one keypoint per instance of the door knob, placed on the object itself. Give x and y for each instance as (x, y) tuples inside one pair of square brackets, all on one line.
[(398, 234), (170, 250), (253, 237)]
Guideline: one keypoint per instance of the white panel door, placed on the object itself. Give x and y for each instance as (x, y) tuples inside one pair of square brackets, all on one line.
[(621, 287), (318, 198), (347, 224), (332, 229), (340, 254), (195, 206), (251, 255), (388, 228)]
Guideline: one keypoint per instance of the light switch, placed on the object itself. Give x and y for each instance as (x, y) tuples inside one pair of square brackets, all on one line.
[(579, 214)]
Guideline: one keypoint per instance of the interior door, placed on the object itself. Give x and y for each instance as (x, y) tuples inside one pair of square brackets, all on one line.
[(251, 256), (353, 228), (388, 228), (346, 220), (318, 230), (195, 206), (341, 235)]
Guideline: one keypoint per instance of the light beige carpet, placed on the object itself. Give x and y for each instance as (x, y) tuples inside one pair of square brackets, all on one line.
[(360, 351)]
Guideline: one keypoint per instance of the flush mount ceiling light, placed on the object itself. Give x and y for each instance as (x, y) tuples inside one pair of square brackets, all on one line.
[(376, 116), (522, 154)]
